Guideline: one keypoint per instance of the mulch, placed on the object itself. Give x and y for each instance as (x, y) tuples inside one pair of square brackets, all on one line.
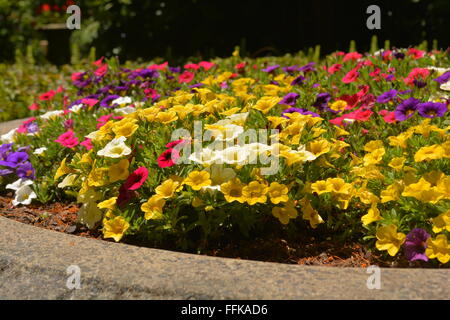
[(62, 217)]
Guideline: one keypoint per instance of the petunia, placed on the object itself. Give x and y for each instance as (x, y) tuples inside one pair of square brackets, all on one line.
[(443, 78), (432, 109), (25, 171), (298, 80), (387, 96), (290, 99), (116, 148), (68, 139), (351, 76), (270, 69), (415, 245), (406, 109), (136, 179), (47, 96), (168, 158), (186, 77), (107, 102)]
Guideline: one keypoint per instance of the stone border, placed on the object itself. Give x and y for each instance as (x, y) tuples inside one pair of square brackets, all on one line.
[(33, 264)]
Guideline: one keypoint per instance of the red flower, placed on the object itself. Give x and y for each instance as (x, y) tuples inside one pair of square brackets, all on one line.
[(415, 53), (89, 102), (192, 66), (352, 56), (34, 107), (173, 144), (351, 76), (168, 158), (334, 68), (99, 62), (68, 139), (240, 66), (136, 179), (47, 96), (101, 71), (206, 65), (388, 116), (161, 66), (46, 7), (87, 144), (186, 77), (416, 74)]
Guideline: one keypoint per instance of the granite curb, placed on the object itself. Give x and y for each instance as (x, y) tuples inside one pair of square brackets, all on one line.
[(34, 262)]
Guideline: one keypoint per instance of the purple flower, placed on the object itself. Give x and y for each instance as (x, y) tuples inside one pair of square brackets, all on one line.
[(444, 78), (399, 55), (298, 80), (32, 127), (271, 69), (25, 171), (107, 101), (406, 109), (290, 99), (322, 100), (432, 109), (299, 110), (415, 245), (5, 149), (390, 78), (387, 96), (175, 69), (5, 172), (308, 68), (144, 74), (419, 83), (14, 159), (290, 69)]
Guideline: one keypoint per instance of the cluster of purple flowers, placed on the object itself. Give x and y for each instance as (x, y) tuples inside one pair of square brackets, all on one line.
[(15, 162)]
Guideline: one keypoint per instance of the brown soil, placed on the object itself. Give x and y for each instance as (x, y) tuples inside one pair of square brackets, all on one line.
[(63, 218)]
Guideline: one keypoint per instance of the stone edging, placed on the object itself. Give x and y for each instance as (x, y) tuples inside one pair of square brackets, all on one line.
[(34, 262)]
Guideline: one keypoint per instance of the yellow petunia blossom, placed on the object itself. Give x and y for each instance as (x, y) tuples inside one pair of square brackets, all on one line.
[(372, 215), (115, 228), (107, 204), (373, 145), (63, 169), (119, 171), (278, 193), (232, 190), (397, 163), (389, 239), (198, 179), (429, 153), (309, 213), (441, 222), (319, 147), (321, 187), (339, 105), (167, 188), (286, 213), (255, 192), (153, 208), (438, 249)]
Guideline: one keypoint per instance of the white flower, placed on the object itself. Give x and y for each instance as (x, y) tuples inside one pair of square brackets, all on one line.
[(89, 214), (24, 195), (93, 135), (40, 151), (52, 114), (205, 157), (19, 184), (76, 108), (445, 86), (125, 110), (121, 101), (219, 174), (439, 71), (228, 133), (115, 149), (8, 137), (234, 155)]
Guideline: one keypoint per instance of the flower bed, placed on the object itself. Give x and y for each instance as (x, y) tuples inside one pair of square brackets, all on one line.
[(352, 147)]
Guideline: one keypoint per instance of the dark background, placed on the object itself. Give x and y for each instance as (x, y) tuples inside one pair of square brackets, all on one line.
[(207, 28)]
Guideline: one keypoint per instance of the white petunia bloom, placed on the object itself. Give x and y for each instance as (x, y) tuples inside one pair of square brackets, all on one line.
[(67, 181), (115, 149), (445, 86), (40, 151), (76, 108), (24, 195), (19, 184), (52, 114), (125, 110), (205, 157), (122, 101), (8, 137)]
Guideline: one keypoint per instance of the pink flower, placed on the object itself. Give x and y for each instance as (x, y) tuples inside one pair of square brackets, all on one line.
[(160, 67), (77, 76), (99, 62), (136, 179), (352, 56), (47, 96), (101, 71), (388, 116), (334, 68), (192, 66), (206, 65), (416, 74), (415, 53), (240, 66), (87, 144), (168, 158), (186, 77), (89, 102), (68, 139), (351, 76), (34, 107), (60, 89)]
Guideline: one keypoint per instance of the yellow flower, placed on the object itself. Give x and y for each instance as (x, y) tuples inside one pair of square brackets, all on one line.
[(232, 190), (286, 213), (167, 188), (389, 239), (265, 104), (198, 179), (310, 214), (86, 158), (97, 177), (319, 147), (321, 187), (339, 105), (392, 193), (397, 163), (108, 204), (400, 140), (255, 192), (115, 228), (374, 157), (125, 129), (167, 117), (197, 202), (438, 249), (63, 169), (338, 185), (153, 208), (372, 215), (373, 145), (119, 171), (441, 222), (278, 193), (429, 153), (415, 189)]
